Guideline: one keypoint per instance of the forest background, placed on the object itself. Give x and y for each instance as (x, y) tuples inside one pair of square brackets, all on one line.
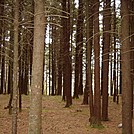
[(68, 49)]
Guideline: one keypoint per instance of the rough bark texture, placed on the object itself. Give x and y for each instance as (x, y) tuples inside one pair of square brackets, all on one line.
[(67, 59), (2, 56), (78, 87), (115, 57), (37, 69), (89, 53), (96, 118), (105, 57), (88, 96), (132, 49), (126, 76), (15, 67)]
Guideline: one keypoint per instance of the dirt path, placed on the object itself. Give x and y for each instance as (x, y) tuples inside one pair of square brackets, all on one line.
[(59, 120)]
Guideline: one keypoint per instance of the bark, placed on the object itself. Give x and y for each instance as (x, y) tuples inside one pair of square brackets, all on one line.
[(96, 118), (2, 55), (89, 54), (132, 48), (105, 59), (126, 75), (15, 67), (88, 96), (53, 60), (115, 57), (66, 57), (35, 124), (78, 87), (60, 62), (10, 74)]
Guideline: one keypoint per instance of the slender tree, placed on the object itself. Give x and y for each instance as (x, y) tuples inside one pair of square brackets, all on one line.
[(96, 117), (115, 57), (105, 58), (53, 58), (78, 87), (2, 48), (37, 69), (15, 67), (132, 48), (89, 55), (1, 14), (126, 76), (88, 96), (66, 56), (10, 70)]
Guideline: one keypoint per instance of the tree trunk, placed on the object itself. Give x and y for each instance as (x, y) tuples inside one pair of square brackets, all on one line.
[(53, 60), (105, 59), (132, 49), (115, 57), (66, 57), (88, 96), (2, 55), (35, 124), (126, 75), (15, 67), (96, 118), (78, 88)]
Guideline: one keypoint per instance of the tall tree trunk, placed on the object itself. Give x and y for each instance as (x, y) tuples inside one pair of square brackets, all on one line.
[(115, 57), (49, 61), (105, 59), (10, 73), (132, 49), (60, 68), (66, 62), (89, 33), (3, 63), (1, 23), (53, 60), (126, 76), (15, 67), (60, 61), (96, 118), (2, 54), (78, 87), (35, 123)]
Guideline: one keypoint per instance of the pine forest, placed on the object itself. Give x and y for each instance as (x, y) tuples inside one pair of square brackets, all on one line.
[(66, 66)]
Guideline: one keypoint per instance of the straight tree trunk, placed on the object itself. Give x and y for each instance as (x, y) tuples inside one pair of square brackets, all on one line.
[(3, 64), (96, 118), (50, 61), (115, 57), (60, 61), (2, 56), (88, 96), (89, 55), (35, 123), (53, 60), (126, 75), (105, 59), (66, 57), (78, 87), (1, 23), (15, 67), (10, 74), (132, 50), (69, 63)]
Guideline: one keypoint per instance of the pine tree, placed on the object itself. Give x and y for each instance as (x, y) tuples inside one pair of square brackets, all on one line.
[(126, 76), (35, 125)]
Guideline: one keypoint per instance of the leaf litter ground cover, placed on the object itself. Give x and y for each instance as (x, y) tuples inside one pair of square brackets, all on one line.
[(59, 120)]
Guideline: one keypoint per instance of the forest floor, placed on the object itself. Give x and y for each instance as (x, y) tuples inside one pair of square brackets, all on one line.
[(59, 120)]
